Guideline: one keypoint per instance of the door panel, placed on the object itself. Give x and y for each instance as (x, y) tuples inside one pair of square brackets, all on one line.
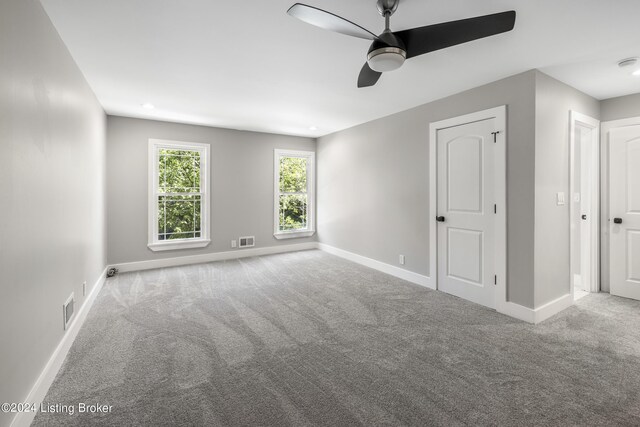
[(464, 162), (465, 198), (465, 255), (633, 175), (625, 205)]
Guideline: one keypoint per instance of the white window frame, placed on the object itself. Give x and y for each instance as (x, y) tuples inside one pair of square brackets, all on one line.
[(311, 194), (155, 145)]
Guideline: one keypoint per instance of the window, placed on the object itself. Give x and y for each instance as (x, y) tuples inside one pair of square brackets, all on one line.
[(294, 193), (178, 195)]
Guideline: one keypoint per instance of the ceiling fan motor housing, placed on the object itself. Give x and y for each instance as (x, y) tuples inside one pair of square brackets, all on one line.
[(387, 53)]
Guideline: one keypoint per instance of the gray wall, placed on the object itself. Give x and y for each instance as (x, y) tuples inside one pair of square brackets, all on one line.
[(241, 182), (373, 182), (52, 170), (554, 100), (623, 107)]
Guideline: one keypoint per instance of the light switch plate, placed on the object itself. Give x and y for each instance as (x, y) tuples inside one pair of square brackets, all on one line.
[(560, 199)]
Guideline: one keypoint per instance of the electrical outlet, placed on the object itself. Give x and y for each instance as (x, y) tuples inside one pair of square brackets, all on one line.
[(234, 243), (401, 260), (84, 289)]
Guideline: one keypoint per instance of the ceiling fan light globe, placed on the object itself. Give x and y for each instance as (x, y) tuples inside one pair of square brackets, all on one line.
[(386, 59)]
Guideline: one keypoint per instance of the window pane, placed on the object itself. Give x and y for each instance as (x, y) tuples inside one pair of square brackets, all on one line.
[(293, 175), (293, 212), (179, 217), (179, 171)]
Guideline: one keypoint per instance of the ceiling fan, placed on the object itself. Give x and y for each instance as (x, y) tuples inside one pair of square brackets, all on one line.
[(390, 49)]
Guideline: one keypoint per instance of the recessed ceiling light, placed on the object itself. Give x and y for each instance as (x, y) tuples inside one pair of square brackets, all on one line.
[(636, 72), (148, 106), (313, 128)]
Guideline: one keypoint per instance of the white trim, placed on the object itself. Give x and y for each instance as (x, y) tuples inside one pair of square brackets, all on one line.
[(170, 245), (293, 234), (539, 314), (392, 270), (605, 128), (311, 193), (632, 121), (152, 214), (594, 208), (216, 256), (500, 183), (552, 308), (518, 311), (48, 374)]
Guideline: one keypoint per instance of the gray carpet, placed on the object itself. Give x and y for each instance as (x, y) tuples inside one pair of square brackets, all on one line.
[(310, 339)]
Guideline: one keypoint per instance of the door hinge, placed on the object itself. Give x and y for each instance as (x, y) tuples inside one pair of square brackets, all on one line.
[(495, 209), (495, 279), (495, 136)]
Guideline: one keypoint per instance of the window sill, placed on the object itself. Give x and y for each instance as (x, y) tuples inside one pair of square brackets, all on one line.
[(178, 244), (293, 234)]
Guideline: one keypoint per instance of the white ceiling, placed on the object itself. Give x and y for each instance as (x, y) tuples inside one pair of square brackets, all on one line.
[(246, 64)]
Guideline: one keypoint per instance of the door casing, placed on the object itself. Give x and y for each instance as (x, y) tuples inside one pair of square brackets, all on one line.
[(500, 188)]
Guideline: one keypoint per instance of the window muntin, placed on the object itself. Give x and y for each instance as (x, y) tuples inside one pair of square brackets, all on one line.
[(294, 193), (178, 199)]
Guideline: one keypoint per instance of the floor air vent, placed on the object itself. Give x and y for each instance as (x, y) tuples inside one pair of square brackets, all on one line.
[(247, 242), (67, 311)]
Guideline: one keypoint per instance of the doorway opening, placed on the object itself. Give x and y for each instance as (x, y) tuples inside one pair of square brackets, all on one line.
[(584, 184)]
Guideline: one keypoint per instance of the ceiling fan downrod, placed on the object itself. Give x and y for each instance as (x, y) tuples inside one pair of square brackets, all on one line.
[(387, 7)]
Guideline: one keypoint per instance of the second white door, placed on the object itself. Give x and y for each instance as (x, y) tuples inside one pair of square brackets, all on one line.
[(625, 212), (465, 200)]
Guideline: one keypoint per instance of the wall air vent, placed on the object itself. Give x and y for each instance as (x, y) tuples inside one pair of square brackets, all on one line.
[(247, 241), (67, 311)]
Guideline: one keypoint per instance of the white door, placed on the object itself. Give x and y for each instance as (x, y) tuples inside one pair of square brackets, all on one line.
[(624, 211), (584, 208), (586, 216), (465, 205)]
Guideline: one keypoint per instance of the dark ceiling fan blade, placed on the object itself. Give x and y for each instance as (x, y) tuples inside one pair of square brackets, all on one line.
[(329, 21), (367, 76), (439, 36)]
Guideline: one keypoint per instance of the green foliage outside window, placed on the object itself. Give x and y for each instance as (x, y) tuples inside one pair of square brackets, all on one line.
[(179, 199), (293, 194)]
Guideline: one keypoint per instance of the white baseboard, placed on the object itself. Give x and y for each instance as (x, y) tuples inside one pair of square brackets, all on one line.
[(216, 256), (553, 307), (48, 374), (517, 311), (392, 270), (539, 314)]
